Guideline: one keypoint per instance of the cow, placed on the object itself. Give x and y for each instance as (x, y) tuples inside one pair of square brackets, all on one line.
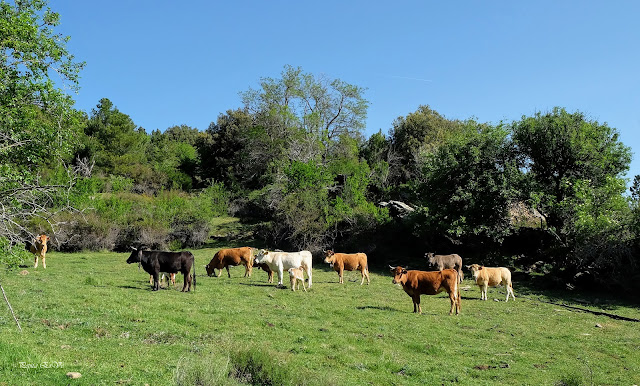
[(490, 277), (38, 248), (441, 262), (231, 257), (295, 275), (416, 283), (349, 262), (265, 268), (171, 278), (155, 262), (281, 261)]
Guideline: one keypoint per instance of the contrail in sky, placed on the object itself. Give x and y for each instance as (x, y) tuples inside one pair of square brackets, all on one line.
[(406, 77)]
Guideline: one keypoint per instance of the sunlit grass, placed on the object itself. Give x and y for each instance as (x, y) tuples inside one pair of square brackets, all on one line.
[(94, 314)]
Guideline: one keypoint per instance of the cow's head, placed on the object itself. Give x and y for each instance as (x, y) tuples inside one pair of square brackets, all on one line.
[(328, 256), (398, 272), (430, 256), (209, 269), (42, 239), (262, 254), (135, 256), (474, 268)]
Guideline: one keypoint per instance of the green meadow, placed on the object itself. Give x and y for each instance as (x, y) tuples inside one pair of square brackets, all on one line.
[(92, 313)]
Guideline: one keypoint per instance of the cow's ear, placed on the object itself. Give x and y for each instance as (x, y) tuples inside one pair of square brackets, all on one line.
[(480, 268), (404, 271)]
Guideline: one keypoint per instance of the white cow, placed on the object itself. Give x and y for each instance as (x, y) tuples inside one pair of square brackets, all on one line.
[(282, 261)]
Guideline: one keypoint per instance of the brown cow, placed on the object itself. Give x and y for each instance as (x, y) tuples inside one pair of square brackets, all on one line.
[(231, 257), (348, 261), (265, 268), (416, 283), (441, 262), (38, 248), (491, 277)]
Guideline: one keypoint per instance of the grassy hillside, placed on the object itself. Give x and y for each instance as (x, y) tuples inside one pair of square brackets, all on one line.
[(94, 314)]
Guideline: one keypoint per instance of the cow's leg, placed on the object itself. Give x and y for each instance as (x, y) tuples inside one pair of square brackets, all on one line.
[(308, 269), (35, 265), (303, 287), (485, 288), (293, 279), (219, 272), (341, 275), (362, 272), (228, 273), (44, 262), (156, 281), (280, 274), (187, 282), (510, 291), (416, 304)]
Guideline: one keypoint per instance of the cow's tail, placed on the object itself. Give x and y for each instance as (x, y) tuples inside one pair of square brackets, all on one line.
[(194, 272)]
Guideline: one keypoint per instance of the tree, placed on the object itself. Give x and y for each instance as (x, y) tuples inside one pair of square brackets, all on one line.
[(222, 151), (563, 155), (116, 144), (470, 180), (37, 121), (302, 145), (416, 135)]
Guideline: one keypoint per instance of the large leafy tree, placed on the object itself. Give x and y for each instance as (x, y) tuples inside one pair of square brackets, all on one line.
[(567, 158), (469, 182), (303, 144), (115, 143), (415, 136), (37, 122), (223, 149)]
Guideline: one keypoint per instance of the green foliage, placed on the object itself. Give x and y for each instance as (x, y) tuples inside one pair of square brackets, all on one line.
[(559, 149), (38, 125), (417, 134), (470, 181)]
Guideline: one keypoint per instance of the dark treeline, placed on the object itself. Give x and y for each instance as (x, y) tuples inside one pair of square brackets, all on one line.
[(294, 165)]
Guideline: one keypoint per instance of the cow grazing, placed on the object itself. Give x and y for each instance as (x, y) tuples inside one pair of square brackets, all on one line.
[(296, 275), (155, 262), (281, 261), (416, 283), (231, 257), (171, 278), (349, 262), (38, 248), (441, 262), (265, 268), (490, 277)]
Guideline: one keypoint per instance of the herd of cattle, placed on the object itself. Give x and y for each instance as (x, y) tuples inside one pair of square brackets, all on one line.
[(415, 283)]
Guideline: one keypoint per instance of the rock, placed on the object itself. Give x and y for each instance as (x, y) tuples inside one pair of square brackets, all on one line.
[(73, 375), (397, 209), (24, 272), (598, 325)]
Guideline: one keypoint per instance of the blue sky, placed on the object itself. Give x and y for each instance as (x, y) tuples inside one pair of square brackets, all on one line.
[(167, 63)]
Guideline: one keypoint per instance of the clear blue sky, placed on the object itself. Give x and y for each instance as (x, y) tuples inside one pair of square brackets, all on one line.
[(167, 63)]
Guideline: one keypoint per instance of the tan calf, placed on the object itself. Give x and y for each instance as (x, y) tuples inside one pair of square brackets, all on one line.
[(296, 274), (39, 248), (490, 277), (341, 262)]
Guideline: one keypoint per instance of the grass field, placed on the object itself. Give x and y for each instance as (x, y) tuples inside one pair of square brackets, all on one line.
[(92, 313)]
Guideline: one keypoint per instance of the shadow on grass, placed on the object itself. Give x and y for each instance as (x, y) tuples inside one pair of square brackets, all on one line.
[(384, 308)]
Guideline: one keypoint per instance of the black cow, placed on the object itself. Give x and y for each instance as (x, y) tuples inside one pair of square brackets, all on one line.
[(155, 262)]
